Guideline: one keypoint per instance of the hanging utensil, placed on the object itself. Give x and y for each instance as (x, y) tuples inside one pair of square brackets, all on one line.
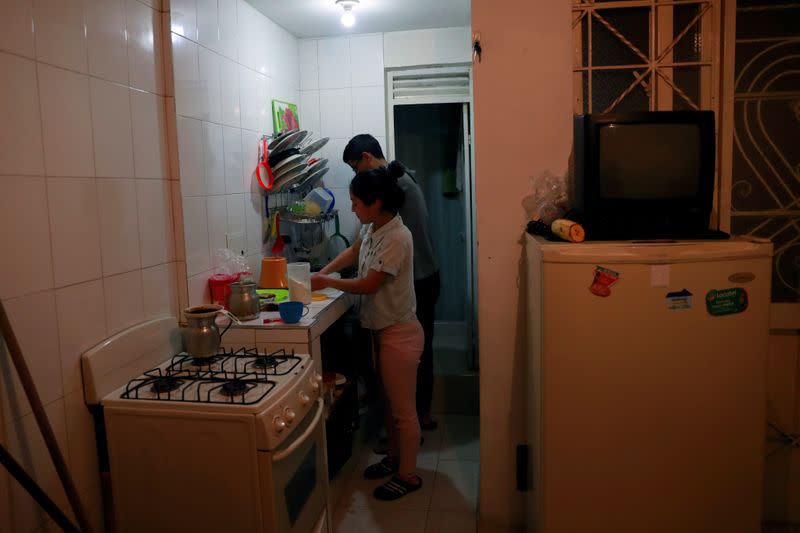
[(263, 169), (277, 248)]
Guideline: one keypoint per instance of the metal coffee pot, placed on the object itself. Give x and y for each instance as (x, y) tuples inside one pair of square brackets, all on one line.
[(201, 335), (243, 301)]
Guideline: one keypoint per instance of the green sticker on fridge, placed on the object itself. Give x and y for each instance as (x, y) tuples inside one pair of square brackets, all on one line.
[(721, 302)]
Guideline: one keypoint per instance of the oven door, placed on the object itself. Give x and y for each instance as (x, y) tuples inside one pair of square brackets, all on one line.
[(299, 478)]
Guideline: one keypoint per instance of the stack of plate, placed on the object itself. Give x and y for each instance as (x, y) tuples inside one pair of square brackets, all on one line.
[(291, 163)]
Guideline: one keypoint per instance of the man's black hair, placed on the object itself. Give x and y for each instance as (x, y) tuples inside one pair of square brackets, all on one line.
[(360, 144)]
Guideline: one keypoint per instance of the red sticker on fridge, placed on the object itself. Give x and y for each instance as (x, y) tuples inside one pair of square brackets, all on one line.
[(604, 278)]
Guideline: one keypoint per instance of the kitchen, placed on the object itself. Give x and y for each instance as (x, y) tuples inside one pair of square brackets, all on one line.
[(77, 277)]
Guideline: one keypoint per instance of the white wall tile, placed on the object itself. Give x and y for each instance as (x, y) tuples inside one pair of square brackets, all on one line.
[(285, 65), (33, 318), (336, 113), (158, 5), (236, 222), (214, 151), (217, 209), (177, 221), (199, 293), (198, 257), (188, 94), (68, 146), (250, 144), (340, 173), (427, 47), (208, 24), (190, 155), (252, 42), (229, 93), (60, 33), (124, 301), (309, 112), (369, 111), (366, 60), (111, 129), (107, 45), (25, 443), (81, 315), (144, 47), (159, 287), (155, 221), (21, 135), (183, 15), (119, 225), (309, 69), (209, 69), (334, 63), (254, 230), (74, 223), (23, 205), (149, 135), (16, 27), (228, 29), (348, 223), (264, 96), (232, 143), (251, 86)]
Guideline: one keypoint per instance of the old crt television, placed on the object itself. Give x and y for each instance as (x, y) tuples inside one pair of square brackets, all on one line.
[(647, 175)]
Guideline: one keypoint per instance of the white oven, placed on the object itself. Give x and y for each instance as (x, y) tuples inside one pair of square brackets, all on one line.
[(234, 444)]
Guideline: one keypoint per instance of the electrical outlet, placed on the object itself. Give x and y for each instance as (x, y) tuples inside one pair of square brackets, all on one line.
[(236, 243)]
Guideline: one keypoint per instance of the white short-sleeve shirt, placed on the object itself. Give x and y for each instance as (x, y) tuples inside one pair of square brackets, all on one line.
[(389, 249)]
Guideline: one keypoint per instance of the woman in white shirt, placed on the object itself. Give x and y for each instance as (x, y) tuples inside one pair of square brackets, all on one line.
[(384, 254)]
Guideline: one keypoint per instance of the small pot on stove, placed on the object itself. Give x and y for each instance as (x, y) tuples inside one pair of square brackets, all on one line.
[(201, 335)]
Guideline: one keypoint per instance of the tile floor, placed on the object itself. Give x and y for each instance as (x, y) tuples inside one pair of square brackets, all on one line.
[(447, 501)]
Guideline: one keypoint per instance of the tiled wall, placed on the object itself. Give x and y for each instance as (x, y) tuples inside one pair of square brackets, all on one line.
[(87, 240), (341, 95), (229, 61)]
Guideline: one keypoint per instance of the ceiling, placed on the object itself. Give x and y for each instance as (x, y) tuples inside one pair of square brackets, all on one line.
[(320, 18)]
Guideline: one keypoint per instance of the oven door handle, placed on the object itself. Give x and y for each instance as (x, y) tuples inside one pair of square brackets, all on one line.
[(283, 454)]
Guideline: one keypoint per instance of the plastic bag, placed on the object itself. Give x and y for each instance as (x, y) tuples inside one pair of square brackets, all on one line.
[(548, 200), (228, 263)]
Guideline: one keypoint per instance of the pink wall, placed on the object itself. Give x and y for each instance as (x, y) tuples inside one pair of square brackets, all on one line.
[(523, 117)]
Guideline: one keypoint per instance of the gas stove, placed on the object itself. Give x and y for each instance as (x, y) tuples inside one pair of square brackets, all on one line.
[(243, 377)]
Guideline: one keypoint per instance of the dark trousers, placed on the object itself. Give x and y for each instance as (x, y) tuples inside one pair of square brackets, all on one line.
[(427, 291)]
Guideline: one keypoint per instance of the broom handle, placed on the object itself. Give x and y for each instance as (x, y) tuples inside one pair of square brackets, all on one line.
[(41, 419)]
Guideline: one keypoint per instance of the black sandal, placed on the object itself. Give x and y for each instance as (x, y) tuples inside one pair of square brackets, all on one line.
[(385, 467), (396, 488)]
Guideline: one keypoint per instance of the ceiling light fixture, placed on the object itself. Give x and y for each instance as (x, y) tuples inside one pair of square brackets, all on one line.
[(348, 19)]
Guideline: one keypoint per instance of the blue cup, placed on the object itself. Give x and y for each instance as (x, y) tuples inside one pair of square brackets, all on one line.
[(292, 312)]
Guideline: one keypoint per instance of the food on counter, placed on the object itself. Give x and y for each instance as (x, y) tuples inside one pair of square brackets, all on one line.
[(568, 230)]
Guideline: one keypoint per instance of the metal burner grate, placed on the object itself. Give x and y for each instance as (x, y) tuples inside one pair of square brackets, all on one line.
[(232, 376)]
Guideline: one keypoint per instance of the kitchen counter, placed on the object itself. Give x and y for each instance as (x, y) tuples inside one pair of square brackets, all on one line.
[(302, 337)]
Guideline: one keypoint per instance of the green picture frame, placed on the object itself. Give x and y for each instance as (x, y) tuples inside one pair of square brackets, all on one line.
[(284, 116)]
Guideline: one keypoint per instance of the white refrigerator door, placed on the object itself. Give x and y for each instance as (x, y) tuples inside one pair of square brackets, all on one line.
[(652, 418)]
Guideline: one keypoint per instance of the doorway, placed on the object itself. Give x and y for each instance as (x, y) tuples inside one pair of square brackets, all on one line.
[(429, 119)]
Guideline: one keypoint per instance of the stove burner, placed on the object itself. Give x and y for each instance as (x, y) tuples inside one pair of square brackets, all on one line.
[(235, 387), (265, 362), (206, 361), (165, 384)]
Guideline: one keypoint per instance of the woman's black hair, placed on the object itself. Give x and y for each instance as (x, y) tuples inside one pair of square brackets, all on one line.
[(360, 144), (380, 184)]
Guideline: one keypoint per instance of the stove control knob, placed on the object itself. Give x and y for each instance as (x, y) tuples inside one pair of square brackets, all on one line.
[(278, 424), (304, 399), (288, 414), (314, 385), (317, 378)]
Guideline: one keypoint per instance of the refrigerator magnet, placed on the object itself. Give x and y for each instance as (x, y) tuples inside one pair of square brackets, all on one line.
[(679, 300), (604, 278), (720, 302)]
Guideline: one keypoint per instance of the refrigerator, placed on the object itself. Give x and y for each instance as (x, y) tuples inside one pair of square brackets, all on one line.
[(646, 385)]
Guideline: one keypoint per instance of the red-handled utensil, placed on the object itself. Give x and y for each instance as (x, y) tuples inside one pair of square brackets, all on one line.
[(263, 166), (278, 246)]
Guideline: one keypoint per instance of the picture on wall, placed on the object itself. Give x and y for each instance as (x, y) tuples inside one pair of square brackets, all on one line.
[(284, 116)]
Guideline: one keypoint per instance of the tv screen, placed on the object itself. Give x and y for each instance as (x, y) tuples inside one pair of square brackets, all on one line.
[(649, 161)]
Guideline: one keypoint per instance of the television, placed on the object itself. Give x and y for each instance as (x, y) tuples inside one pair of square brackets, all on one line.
[(645, 175)]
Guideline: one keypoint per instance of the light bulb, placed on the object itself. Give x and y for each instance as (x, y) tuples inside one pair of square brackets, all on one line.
[(348, 19)]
